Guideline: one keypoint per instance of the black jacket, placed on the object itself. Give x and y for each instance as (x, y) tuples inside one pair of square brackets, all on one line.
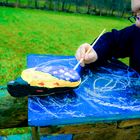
[(120, 44)]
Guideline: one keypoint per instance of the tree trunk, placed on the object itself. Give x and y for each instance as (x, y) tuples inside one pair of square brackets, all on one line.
[(29, 4), (69, 6), (63, 5), (50, 4), (6, 1), (89, 7), (77, 6), (36, 4), (58, 5), (45, 4), (17, 3)]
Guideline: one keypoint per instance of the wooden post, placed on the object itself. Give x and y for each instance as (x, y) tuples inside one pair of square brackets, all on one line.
[(35, 133), (13, 111)]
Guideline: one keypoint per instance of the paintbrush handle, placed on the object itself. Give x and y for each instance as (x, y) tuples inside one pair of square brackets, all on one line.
[(76, 66)]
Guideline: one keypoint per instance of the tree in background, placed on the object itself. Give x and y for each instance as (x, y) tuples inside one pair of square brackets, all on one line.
[(119, 8)]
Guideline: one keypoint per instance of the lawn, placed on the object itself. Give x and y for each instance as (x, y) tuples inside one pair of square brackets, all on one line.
[(28, 31), (14, 131)]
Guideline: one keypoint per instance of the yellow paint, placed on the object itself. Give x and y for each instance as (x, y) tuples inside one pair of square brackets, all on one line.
[(41, 79)]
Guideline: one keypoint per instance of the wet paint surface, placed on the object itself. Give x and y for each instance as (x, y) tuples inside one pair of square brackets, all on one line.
[(60, 72), (110, 92)]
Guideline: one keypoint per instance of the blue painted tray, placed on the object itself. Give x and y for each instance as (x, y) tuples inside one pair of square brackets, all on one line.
[(29, 137), (107, 93)]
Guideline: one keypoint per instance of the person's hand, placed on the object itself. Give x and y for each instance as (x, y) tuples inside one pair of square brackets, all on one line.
[(87, 57)]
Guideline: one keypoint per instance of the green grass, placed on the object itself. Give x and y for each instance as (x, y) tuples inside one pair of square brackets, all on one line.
[(26, 31), (14, 131)]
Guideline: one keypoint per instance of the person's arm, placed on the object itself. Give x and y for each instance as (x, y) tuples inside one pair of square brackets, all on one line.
[(114, 44), (111, 44)]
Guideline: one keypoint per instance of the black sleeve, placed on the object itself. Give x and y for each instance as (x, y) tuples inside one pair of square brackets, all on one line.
[(114, 44)]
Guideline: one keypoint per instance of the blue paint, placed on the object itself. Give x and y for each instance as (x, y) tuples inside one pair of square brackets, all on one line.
[(16, 137), (107, 93), (57, 137), (3, 91), (29, 137), (60, 72), (49, 60)]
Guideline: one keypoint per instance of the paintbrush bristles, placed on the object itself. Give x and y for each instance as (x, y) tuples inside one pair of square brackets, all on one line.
[(76, 66)]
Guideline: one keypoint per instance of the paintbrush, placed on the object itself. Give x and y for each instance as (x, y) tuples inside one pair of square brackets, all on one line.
[(76, 66)]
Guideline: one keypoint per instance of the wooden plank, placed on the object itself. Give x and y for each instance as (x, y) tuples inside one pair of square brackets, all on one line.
[(13, 111), (96, 131), (76, 129), (128, 123), (84, 128)]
